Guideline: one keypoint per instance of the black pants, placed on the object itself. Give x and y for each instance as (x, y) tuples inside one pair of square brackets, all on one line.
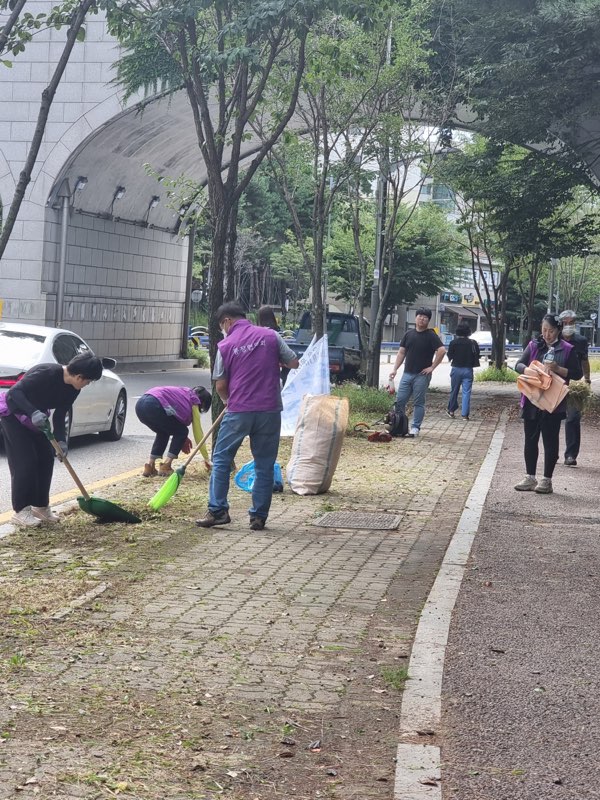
[(151, 413), (548, 425), (572, 432), (30, 461)]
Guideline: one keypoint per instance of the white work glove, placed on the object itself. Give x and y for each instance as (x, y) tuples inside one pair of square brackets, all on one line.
[(64, 447), (39, 419)]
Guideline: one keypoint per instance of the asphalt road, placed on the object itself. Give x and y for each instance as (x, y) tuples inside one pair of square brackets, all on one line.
[(94, 459)]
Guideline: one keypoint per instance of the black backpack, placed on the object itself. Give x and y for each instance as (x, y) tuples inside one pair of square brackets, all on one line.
[(396, 423)]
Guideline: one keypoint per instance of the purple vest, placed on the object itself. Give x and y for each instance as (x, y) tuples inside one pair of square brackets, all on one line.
[(251, 360), (179, 398)]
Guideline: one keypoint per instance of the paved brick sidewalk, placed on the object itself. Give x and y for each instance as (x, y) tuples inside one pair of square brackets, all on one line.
[(210, 646)]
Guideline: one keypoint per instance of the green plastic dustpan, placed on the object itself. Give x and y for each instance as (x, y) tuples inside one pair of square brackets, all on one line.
[(105, 510)]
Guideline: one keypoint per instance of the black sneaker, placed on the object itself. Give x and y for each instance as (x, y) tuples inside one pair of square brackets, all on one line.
[(210, 520), (450, 414), (257, 523), (570, 461)]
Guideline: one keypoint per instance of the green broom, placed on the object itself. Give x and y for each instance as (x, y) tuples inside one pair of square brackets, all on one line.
[(170, 486)]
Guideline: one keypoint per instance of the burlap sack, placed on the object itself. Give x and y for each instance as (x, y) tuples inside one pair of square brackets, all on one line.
[(317, 443)]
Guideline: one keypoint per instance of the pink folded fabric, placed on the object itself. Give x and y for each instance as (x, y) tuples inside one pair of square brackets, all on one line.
[(545, 390)]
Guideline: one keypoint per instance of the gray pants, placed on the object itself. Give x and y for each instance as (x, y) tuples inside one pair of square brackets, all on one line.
[(572, 432)]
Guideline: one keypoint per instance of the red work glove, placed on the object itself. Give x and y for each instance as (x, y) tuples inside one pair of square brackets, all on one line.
[(187, 446), (379, 436)]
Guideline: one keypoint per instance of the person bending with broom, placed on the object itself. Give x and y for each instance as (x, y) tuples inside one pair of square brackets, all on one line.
[(168, 412), (25, 417), (246, 376)]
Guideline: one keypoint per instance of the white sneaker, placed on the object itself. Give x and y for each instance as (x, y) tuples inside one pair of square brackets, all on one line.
[(544, 486), (26, 519), (528, 484), (414, 431), (45, 514)]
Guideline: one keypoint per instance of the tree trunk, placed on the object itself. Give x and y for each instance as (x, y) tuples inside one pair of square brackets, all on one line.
[(317, 304), (229, 287), (47, 98), (217, 272)]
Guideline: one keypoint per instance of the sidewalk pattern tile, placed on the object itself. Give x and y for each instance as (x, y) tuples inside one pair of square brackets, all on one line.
[(216, 643)]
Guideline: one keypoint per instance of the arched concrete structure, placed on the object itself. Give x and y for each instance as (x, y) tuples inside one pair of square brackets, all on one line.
[(125, 264)]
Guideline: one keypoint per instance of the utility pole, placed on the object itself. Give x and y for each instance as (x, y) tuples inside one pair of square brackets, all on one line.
[(64, 196), (326, 269), (382, 188)]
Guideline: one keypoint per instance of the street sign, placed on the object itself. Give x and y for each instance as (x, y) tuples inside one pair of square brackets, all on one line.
[(196, 296), (593, 316)]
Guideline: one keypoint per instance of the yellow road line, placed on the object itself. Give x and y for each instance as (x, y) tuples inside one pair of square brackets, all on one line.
[(72, 493)]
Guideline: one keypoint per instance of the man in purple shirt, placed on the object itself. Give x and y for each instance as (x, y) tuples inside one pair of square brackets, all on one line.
[(246, 377)]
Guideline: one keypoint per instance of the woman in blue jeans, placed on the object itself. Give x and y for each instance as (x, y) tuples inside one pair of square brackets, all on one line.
[(463, 353)]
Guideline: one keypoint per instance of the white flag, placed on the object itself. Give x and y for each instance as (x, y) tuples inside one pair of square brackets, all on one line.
[(311, 377)]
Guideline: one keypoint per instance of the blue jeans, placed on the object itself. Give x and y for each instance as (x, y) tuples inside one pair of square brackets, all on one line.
[(263, 428), (152, 414), (460, 376), (415, 385)]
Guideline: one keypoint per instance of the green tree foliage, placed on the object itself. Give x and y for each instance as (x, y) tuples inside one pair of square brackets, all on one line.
[(343, 260), (287, 266), (427, 254), (231, 57), (528, 68), (341, 96), (516, 208)]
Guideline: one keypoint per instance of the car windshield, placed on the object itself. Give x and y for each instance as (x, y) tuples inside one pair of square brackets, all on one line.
[(20, 349)]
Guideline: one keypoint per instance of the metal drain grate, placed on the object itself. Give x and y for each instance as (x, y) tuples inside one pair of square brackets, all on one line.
[(352, 519)]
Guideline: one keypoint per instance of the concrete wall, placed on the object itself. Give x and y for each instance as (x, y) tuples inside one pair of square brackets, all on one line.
[(124, 287), (111, 265)]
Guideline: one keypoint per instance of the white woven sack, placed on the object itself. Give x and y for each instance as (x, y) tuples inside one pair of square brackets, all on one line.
[(317, 443)]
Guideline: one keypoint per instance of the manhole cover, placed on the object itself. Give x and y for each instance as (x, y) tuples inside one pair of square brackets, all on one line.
[(351, 519)]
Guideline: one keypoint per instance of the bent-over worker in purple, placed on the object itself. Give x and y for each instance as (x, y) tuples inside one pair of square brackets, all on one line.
[(246, 376)]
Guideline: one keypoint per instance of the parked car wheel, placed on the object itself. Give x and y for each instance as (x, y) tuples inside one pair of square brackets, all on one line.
[(67, 428), (114, 433)]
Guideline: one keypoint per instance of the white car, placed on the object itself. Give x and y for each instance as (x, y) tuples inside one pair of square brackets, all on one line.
[(100, 408), (484, 338)]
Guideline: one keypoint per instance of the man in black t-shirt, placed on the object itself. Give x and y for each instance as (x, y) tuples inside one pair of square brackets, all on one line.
[(573, 419), (421, 350)]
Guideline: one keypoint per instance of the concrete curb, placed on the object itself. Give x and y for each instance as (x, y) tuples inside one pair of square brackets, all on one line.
[(124, 367), (418, 766)]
